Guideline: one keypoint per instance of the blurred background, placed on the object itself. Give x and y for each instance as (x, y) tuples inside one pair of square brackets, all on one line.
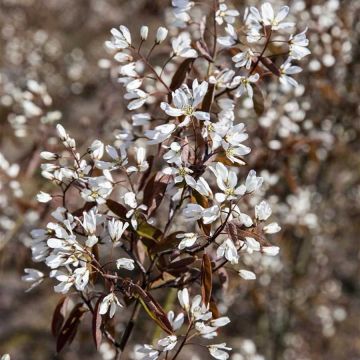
[(305, 303)]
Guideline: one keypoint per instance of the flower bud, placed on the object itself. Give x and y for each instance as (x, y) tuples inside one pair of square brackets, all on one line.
[(61, 132), (47, 155), (161, 34), (144, 31)]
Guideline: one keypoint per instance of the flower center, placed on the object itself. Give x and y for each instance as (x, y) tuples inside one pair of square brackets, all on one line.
[(188, 110), (182, 171)]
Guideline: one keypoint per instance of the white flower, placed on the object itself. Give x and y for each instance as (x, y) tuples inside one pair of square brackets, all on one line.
[(109, 302), (160, 133), (272, 228), (188, 240), (79, 278), (225, 14), (262, 211), (174, 154), (193, 212), (138, 98), (244, 58), (119, 158), (287, 69), (176, 322), (218, 351), (268, 17), (116, 228), (141, 163), (89, 224), (231, 38), (149, 352), (161, 34), (247, 275), (49, 156), (141, 119), (253, 182), (43, 197), (96, 150), (219, 322), (270, 250), (125, 263), (228, 250), (222, 79), (182, 46), (201, 186), (168, 343), (227, 182), (184, 299), (130, 199), (181, 174), (99, 189), (298, 45), (121, 38), (250, 245), (186, 101), (210, 214), (144, 31), (34, 276), (5, 357), (245, 84), (233, 153)]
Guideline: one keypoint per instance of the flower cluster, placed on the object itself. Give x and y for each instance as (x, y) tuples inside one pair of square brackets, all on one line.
[(138, 214)]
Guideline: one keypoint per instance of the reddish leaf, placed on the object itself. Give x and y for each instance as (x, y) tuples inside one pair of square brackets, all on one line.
[(206, 279), (155, 190), (58, 316), (70, 327), (270, 65), (258, 100), (208, 99), (96, 324), (180, 74), (116, 208), (214, 309)]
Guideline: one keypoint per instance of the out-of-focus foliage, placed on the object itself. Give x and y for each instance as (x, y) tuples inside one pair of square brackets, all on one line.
[(305, 304)]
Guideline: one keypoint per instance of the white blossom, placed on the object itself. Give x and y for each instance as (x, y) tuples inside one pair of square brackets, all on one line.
[(186, 101), (219, 351), (182, 46), (228, 250), (188, 240), (247, 275), (109, 303), (287, 69), (125, 263), (161, 34), (43, 197)]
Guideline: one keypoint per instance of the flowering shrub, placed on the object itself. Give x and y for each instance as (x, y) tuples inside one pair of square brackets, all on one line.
[(171, 202)]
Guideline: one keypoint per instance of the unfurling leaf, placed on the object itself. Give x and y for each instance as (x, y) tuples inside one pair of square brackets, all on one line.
[(206, 279), (58, 316), (96, 324), (153, 308), (258, 100), (68, 331)]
